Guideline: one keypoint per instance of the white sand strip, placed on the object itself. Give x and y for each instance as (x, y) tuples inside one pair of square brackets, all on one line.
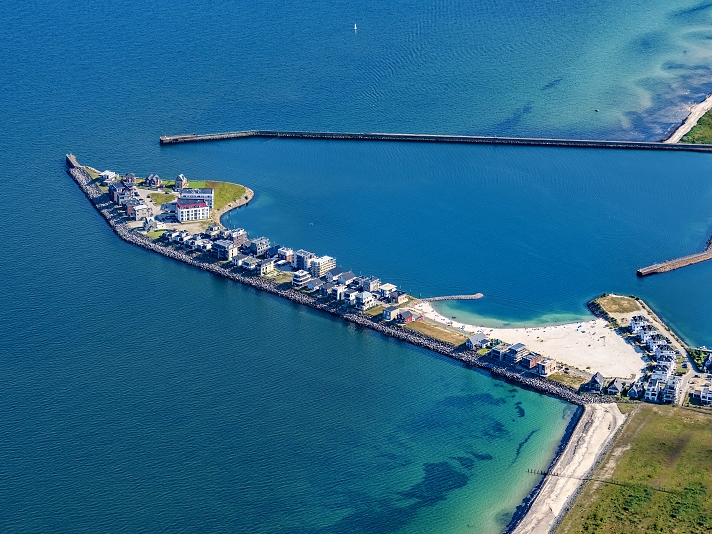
[(695, 115), (588, 345), (595, 429)]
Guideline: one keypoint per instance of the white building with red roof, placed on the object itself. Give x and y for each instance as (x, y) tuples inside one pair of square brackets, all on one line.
[(191, 210)]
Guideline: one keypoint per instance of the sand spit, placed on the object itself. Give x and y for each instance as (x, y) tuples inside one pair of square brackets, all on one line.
[(695, 115), (589, 440)]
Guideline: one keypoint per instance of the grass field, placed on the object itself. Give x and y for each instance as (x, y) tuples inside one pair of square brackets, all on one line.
[(660, 447), (617, 304), (377, 310), (155, 234), (573, 381), (162, 198), (437, 332), (701, 132), (280, 277), (225, 192)]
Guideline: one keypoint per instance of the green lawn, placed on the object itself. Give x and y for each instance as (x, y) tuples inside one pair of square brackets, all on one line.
[(701, 132), (437, 332), (162, 198), (660, 447), (156, 234), (377, 310), (225, 192)]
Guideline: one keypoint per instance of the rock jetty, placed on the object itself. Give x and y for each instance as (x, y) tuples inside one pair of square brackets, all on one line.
[(108, 210)]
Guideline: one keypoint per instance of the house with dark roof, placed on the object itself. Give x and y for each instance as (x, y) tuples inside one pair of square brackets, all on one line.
[(596, 383), (615, 387), (325, 289), (477, 341), (391, 313), (346, 278), (406, 317), (636, 390), (333, 274)]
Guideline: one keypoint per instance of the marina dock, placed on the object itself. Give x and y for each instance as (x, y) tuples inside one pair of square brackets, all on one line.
[(434, 138)]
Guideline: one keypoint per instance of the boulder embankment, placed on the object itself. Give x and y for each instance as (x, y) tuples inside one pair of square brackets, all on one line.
[(108, 210)]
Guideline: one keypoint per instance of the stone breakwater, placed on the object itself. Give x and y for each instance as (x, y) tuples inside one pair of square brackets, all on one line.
[(107, 209)]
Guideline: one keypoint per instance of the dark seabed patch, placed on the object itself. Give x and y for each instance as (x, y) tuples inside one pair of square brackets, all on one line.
[(551, 84), (509, 125), (439, 479), (387, 516), (521, 445), (465, 462), (495, 430), (481, 457), (520, 410)]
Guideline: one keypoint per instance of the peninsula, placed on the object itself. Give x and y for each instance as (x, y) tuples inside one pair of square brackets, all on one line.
[(315, 281)]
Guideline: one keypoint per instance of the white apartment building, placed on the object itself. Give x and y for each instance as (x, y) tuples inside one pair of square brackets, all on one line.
[(320, 266), (191, 210)]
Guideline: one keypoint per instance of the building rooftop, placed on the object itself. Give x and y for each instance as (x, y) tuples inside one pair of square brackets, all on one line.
[(184, 203), (197, 191)]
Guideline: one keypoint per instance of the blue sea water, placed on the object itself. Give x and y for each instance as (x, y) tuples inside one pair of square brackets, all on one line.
[(141, 395)]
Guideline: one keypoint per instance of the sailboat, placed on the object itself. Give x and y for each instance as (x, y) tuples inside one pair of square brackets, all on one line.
[(354, 27)]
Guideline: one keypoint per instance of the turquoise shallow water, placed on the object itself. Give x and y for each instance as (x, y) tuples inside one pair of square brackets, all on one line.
[(141, 395)]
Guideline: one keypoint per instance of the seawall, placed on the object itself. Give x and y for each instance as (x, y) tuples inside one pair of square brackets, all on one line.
[(671, 265), (106, 208), (434, 138)]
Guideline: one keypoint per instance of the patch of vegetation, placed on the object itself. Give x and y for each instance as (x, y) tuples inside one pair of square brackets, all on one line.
[(155, 234), (626, 407), (697, 356), (162, 198), (280, 277), (573, 381), (437, 332), (701, 132), (92, 172), (617, 304), (225, 192), (660, 447), (378, 310)]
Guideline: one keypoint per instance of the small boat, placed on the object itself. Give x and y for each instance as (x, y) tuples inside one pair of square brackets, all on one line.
[(354, 27)]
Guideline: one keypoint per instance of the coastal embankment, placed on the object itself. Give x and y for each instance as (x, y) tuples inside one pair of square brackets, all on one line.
[(434, 138), (696, 113), (242, 201)]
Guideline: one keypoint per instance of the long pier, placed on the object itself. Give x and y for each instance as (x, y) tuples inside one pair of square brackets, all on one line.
[(434, 138), (676, 263)]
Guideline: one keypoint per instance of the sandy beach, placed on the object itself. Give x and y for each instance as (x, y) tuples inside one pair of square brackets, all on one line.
[(589, 345), (696, 113), (594, 431)]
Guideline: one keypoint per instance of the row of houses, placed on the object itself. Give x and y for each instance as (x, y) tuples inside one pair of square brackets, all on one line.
[(123, 193), (662, 386)]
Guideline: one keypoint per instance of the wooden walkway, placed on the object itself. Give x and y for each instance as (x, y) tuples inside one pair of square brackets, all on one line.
[(433, 138)]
